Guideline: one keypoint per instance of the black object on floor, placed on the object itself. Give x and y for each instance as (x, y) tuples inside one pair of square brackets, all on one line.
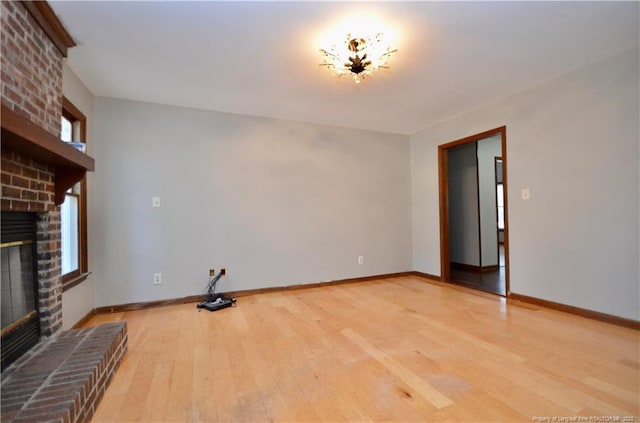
[(215, 302)]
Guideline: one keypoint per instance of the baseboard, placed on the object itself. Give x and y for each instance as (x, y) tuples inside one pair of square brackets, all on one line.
[(590, 314), (243, 293), (80, 323), (247, 292), (426, 275), (492, 268), (464, 266), (596, 315), (119, 308), (437, 281), (472, 268)]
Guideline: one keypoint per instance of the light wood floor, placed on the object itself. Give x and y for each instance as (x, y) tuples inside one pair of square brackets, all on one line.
[(399, 349)]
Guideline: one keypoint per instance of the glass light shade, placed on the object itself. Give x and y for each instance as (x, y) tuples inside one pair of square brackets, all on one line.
[(358, 57)]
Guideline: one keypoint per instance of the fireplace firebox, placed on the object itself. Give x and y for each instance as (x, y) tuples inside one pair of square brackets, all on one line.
[(19, 297)]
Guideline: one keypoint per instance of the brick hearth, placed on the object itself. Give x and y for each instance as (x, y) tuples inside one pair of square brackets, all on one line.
[(63, 379)]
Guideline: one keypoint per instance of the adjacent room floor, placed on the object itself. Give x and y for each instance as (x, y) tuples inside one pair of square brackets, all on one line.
[(399, 349), (493, 281)]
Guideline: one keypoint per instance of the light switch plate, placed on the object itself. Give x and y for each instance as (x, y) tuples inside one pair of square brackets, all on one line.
[(155, 202), (525, 194)]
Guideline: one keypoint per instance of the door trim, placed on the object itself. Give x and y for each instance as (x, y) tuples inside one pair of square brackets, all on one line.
[(443, 185)]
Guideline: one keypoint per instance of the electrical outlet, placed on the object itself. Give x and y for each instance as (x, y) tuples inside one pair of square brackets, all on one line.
[(360, 259), (223, 271), (212, 272), (157, 278)]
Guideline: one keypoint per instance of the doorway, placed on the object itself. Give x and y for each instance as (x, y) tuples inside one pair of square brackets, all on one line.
[(474, 241)]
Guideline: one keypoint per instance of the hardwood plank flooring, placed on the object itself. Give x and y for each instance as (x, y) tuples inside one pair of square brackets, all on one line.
[(397, 349)]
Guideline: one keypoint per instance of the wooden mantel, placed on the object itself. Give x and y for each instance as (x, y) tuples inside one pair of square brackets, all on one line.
[(22, 136)]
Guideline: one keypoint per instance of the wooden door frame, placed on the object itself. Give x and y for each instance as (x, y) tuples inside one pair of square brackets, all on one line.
[(443, 183)]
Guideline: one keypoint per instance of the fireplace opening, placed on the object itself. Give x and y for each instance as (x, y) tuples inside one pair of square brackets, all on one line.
[(19, 297)]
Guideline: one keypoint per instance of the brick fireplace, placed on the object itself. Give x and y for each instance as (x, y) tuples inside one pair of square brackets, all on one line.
[(23, 193), (31, 84), (36, 167), (62, 377)]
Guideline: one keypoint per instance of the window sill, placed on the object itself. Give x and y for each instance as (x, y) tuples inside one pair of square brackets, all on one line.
[(68, 284)]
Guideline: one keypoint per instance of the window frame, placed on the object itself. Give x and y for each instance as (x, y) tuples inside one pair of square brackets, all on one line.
[(75, 277)]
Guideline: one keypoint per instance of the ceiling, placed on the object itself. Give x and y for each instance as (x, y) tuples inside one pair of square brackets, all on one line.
[(261, 58)]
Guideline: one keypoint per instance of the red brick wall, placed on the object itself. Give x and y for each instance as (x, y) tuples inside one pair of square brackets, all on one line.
[(31, 68), (26, 185), (31, 85), (49, 272)]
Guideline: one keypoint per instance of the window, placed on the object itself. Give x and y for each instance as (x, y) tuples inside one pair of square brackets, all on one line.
[(73, 212), (500, 198)]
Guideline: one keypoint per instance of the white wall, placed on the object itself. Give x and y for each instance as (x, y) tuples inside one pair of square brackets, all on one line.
[(464, 235), (573, 142), (79, 300), (488, 150), (275, 202)]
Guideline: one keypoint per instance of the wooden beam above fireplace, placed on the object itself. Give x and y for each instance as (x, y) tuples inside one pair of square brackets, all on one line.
[(22, 136)]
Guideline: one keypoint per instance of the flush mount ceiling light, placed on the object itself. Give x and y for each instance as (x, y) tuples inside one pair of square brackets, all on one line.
[(357, 56)]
